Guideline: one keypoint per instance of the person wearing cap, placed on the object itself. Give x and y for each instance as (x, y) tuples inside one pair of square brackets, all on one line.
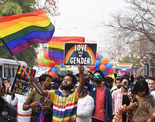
[(102, 98)]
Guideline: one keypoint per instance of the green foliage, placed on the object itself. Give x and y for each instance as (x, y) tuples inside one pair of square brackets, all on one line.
[(4, 53), (29, 55), (11, 7), (27, 5)]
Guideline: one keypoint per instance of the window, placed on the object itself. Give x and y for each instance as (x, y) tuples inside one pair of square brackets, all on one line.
[(1, 71), (6, 70)]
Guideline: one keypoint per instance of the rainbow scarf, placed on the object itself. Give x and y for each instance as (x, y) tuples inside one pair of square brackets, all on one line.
[(41, 117), (19, 31), (57, 46)]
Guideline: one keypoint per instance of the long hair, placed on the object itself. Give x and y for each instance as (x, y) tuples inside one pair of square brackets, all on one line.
[(140, 86)]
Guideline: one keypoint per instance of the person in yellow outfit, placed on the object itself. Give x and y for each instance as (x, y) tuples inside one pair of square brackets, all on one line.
[(65, 98)]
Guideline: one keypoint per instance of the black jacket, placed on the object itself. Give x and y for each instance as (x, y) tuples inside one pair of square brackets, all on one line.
[(8, 113)]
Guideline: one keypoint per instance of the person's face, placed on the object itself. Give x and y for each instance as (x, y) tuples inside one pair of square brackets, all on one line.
[(118, 83), (47, 83), (125, 83), (89, 75), (6, 82), (67, 83), (151, 84)]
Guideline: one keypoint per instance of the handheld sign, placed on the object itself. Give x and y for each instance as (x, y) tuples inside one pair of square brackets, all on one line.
[(21, 84), (80, 54)]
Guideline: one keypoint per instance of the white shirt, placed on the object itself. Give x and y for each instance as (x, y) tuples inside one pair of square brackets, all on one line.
[(153, 94), (22, 115), (20, 100), (85, 108)]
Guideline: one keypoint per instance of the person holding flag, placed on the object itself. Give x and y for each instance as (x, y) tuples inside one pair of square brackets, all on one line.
[(35, 100), (65, 98)]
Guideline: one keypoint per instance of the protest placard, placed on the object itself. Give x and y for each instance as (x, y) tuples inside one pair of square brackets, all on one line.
[(21, 84), (80, 54)]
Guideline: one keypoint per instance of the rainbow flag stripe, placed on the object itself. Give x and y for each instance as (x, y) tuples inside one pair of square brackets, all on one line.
[(19, 31), (124, 66), (64, 106), (57, 46)]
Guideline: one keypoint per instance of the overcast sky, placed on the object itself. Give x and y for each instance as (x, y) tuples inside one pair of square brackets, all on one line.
[(86, 18)]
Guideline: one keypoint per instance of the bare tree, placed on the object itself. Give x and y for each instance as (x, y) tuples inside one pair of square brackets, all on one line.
[(50, 6), (117, 50), (138, 21)]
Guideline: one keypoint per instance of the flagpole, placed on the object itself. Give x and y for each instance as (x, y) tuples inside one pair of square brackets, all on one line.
[(16, 70)]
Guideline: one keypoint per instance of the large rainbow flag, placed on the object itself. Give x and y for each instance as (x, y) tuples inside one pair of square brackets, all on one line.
[(57, 46), (19, 31)]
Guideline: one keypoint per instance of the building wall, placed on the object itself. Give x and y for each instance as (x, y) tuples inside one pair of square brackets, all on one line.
[(148, 50)]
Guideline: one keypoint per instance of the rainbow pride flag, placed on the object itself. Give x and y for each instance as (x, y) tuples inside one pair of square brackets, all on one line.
[(19, 31), (42, 115), (124, 66), (57, 45)]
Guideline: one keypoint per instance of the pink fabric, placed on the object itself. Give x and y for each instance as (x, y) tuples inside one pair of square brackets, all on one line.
[(117, 98), (122, 74), (100, 104)]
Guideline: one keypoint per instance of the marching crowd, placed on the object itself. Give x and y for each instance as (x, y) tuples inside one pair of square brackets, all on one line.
[(90, 97)]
